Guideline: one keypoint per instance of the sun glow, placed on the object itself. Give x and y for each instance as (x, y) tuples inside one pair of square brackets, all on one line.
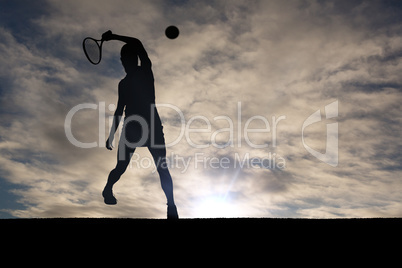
[(216, 207)]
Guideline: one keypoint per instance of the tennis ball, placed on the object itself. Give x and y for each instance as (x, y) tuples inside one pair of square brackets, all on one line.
[(172, 32)]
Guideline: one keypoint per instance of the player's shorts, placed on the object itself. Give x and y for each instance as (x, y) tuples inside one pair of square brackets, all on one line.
[(139, 132)]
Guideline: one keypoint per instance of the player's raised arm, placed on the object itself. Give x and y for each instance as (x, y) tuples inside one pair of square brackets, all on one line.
[(142, 54)]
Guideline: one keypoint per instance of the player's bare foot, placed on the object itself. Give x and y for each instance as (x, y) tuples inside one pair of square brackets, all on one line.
[(108, 196), (172, 212)]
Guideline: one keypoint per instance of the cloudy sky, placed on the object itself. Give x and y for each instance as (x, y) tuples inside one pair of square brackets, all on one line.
[(272, 64)]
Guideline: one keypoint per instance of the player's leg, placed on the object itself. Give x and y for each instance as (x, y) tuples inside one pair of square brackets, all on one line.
[(159, 156), (123, 160)]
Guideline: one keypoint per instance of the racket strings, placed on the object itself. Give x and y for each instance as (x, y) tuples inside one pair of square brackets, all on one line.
[(92, 50)]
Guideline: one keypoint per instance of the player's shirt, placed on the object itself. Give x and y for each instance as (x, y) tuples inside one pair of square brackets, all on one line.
[(137, 92)]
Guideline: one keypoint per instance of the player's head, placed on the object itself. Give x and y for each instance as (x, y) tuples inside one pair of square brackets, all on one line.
[(129, 57)]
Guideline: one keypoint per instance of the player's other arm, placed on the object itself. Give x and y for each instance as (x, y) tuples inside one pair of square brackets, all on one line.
[(145, 61), (116, 119)]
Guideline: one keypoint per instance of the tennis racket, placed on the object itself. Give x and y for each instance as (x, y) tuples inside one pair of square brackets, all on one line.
[(93, 50)]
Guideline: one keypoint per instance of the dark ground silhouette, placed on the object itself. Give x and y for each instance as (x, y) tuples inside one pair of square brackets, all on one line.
[(257, 223)]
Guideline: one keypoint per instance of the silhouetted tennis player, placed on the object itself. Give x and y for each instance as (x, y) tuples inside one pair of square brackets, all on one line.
[(142, 125)]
